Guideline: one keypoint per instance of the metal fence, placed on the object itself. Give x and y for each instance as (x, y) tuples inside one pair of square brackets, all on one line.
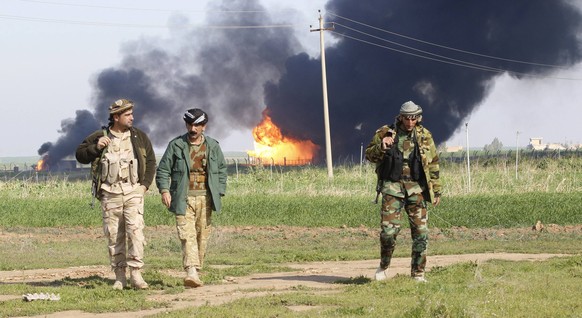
[(524, 154)]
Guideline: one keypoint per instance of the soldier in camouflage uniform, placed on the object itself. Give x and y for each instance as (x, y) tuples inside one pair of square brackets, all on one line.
[(123, 164), (191, 177), (407, 165)]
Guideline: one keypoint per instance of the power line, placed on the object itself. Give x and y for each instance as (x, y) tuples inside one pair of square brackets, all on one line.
[(418, 55), (116, 24), (444, 46), (101, 7), (421, 51), (141, 9), (463, 64), (437, 57)]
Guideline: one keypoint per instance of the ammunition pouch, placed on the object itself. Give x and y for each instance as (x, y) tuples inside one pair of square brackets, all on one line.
[(391, 166), (110, 168), (115, 169), (415, 164)]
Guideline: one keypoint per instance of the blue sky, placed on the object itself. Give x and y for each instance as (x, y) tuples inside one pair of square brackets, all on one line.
[(51, 50)]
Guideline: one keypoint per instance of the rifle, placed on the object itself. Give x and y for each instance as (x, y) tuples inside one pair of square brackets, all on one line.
[(96, 173), (379, 185), (380, 169), (93, 193)]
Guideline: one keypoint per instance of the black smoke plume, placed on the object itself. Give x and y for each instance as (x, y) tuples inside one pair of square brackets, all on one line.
[(221, 70), (235, 73), (367, 84)]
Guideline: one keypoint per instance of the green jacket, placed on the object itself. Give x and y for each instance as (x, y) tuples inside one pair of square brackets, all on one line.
[(173, 174), (87, 152), (428, 154)]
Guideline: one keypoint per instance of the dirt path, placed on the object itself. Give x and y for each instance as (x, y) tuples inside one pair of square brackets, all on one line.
[(318, 276)]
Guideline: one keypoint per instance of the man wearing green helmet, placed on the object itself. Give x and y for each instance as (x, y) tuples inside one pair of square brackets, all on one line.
[(407, 166)]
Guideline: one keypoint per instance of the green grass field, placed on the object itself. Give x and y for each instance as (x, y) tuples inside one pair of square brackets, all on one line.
[(493, 215)]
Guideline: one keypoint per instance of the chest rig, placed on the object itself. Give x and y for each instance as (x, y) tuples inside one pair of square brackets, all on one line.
[(119, 165), (198, 169), (402, 160)]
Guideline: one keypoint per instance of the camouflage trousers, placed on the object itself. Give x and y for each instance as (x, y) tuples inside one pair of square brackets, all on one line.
[(123, 226), (194, 229), (407, 195)]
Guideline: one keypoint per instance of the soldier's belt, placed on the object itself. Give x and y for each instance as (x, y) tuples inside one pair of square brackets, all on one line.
[(197, 193), (118, 181)]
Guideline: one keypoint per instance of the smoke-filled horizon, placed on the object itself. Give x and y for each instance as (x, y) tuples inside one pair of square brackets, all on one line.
[(234, 74), (367, 84), (220, 70)]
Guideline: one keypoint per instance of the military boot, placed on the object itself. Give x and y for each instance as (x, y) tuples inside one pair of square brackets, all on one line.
[(381, 274), (192, 279), (136, 280), (120, 279)]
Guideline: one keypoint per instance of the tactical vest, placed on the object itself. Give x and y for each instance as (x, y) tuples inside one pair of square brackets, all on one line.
[(197, 178), (119, 165), (392, 165)]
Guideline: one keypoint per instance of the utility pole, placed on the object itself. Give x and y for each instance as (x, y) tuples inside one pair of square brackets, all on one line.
[(325, 104), (361, 157), (516, 152), (468, 160)]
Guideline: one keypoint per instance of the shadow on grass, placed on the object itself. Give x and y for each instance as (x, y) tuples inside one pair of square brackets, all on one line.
[(90, 282), (359, 280)]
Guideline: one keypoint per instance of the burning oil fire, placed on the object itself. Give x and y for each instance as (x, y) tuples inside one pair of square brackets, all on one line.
[(273, 147), (41, 165)]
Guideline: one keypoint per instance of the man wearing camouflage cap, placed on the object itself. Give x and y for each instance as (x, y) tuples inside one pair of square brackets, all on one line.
[(407, 165), (123, 165), (191, 177)]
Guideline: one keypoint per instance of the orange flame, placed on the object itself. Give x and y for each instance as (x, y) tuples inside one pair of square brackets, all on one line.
[(271, 145), (40, 165)]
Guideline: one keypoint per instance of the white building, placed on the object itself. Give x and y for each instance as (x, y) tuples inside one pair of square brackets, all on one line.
[(538, 144)]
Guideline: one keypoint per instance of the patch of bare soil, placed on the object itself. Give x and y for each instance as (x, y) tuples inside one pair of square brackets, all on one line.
[(319, 276)]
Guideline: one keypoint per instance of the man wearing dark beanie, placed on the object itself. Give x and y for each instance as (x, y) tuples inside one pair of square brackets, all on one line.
[(191, 178)]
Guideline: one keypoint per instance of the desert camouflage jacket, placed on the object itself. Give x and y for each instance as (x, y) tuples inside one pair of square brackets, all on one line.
[(87, 152), (428, 155)]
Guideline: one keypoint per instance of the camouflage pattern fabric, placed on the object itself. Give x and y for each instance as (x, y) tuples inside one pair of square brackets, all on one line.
[(194, 229), (123, 218), (198, 169), (407, 195), (428, 154), (406, 146), (119, 166)]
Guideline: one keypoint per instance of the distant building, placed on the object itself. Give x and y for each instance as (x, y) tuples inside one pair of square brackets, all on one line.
[(538, 144), (555, 147), (453, 148)]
